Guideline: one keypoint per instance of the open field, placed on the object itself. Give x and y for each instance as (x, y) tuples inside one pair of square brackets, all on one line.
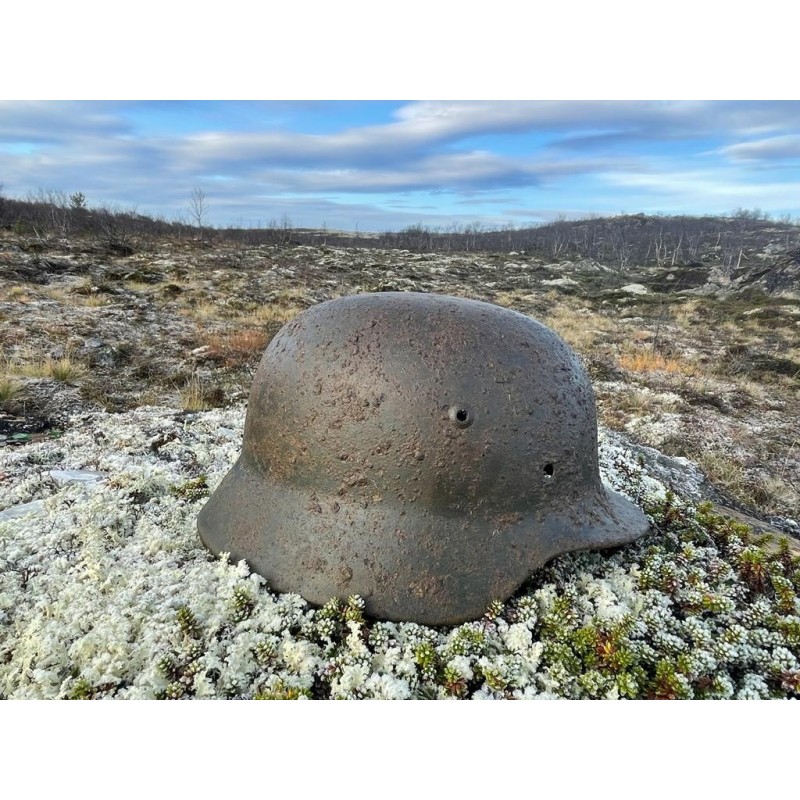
[(137, 367), (704, 374)]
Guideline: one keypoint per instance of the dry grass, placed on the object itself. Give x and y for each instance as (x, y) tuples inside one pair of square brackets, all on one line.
[(57, 293), (284, 307), (763, 492), (60, 369), (579, 326), (770, 492), (204, 310), (85, 294), (133, 285), (91, 286), (198, 396), (237, 348), (617, 408), (8, 389), (292, 295), (269, 314), (16, 294), (91, 301), (516, 299), (650, 361), (696, 311), (64, 369), (193, 395), (724, 471)]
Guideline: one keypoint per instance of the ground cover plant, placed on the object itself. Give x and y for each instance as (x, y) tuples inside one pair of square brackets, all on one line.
[(123, 378), (106, 591)]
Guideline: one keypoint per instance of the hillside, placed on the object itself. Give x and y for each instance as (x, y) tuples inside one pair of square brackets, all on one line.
[(124, 373)]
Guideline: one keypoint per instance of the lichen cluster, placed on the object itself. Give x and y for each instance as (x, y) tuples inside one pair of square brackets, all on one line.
[(107, 592)]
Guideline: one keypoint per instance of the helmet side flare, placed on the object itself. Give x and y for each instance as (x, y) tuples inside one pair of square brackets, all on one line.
[(423, 451)]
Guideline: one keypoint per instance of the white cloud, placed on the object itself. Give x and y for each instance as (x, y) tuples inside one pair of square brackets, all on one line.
[(467, 172), (40, 121), (425, 148), (648, 119), (697, 191), (774, 147)]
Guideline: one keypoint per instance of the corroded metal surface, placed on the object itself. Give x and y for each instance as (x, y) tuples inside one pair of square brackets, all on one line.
[(426, 452)]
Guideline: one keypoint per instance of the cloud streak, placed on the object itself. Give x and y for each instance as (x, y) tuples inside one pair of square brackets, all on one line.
[(433, 156), (773, 148)]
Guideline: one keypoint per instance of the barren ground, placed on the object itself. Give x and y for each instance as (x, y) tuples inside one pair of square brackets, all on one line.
[(123, 388), (678, 361)]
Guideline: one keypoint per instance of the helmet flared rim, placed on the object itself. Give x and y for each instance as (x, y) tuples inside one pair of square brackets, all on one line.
[(409, 563)]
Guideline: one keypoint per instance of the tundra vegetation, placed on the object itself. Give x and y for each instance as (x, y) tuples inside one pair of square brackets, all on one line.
[(127, 349)]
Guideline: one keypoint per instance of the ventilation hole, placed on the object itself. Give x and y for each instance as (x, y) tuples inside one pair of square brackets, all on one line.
[(548, 470), (461, 416)]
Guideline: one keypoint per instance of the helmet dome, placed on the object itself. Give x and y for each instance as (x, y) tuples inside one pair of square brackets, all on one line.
[(423, 451)]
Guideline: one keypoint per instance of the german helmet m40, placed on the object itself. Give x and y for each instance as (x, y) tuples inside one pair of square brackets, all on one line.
[(423, 451)]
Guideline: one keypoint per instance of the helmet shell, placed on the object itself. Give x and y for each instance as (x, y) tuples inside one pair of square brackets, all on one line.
[(423, 451)]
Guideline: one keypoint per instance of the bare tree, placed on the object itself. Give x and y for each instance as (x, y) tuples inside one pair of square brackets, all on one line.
[(198, 209), (52, 213), (115, 227), (286, 229)]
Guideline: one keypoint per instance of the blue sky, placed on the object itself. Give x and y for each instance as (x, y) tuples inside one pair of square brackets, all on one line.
[(383, 165)]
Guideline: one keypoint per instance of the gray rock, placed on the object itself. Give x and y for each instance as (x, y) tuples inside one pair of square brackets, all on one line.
[(635, 288), (76, 476), (673, 471), (22, 510)]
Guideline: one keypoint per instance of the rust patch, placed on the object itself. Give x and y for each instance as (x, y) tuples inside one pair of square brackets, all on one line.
[(417, 433)]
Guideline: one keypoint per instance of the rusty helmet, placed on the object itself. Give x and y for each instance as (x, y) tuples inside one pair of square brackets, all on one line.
[(423, 451)]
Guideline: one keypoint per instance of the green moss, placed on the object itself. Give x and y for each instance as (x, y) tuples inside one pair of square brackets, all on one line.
[(559, 620), (353, 609), (265, 653), (166, 666), (790, 628), (427, 661), (785, 597), (242, 603), (187, 622), (668, 683), (753, 566), (495, 679), (81, 690), (191, 490), (283, 692), (627, 686), (710, 606), (494, 610), (467, 640), (454, 683)]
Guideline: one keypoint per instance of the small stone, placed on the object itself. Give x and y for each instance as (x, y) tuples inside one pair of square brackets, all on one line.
[(76, 476), (560, 282), (22, 510)]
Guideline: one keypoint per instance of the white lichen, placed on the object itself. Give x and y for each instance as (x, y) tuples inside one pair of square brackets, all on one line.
[(108, 592)]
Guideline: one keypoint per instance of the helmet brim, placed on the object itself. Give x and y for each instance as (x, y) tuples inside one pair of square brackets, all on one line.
[(436, 568)]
